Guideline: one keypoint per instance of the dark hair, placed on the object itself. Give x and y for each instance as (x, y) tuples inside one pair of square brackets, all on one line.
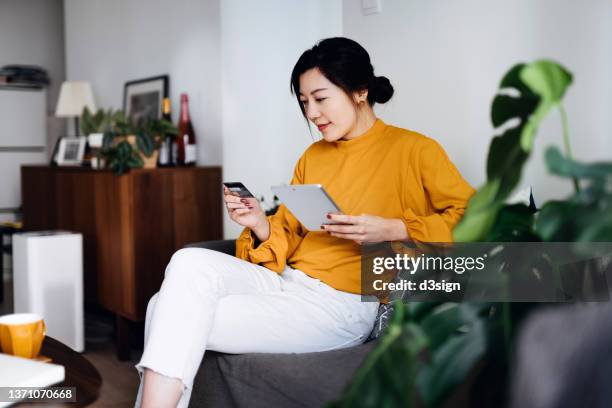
[(347, 65)]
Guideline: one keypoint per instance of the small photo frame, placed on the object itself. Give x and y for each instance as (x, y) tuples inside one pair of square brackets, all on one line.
[(70, 151), (143, 99)]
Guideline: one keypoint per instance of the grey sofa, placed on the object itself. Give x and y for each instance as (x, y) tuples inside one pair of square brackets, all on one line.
[(273, 380), (564, 358)]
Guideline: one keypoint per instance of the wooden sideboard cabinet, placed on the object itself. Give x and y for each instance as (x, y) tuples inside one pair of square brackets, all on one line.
[(131, 224)]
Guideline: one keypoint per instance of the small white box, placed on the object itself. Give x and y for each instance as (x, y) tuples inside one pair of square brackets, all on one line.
[(48, 280)]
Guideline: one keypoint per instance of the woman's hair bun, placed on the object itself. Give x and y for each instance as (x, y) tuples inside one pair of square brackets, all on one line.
[(347, 65), (380, 90)]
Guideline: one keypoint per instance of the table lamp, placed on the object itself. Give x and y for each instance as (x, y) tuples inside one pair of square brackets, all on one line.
[(74, 97)]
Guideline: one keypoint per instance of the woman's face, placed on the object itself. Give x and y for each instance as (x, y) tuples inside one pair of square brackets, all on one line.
[(328, 106)]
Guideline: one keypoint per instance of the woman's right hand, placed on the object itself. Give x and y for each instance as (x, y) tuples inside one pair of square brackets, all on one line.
[(247, 212)]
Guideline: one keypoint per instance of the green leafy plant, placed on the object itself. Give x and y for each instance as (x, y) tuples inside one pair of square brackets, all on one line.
[(429, 349), (95, 123), (586, 216), (158, 130), (527, 94), (121, 155)]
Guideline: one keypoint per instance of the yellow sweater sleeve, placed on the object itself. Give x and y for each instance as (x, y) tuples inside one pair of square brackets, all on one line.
[(448, 194), (286, 233)]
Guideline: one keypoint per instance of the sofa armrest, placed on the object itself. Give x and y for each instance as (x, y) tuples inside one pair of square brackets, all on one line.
[(227, 246)]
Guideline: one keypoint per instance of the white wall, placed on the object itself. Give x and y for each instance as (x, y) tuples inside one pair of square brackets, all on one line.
[(233, 57), (446, 58), (110, 42), (263, 130), (32, 33)]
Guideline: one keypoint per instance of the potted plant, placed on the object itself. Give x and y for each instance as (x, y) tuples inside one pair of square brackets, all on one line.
[(127, 146), (95, 124), (93, 127)]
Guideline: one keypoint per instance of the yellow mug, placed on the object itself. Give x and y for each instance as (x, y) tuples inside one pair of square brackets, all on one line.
[(22, 334)]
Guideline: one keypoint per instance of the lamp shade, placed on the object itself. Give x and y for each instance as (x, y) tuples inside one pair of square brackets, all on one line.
[(74, 96)]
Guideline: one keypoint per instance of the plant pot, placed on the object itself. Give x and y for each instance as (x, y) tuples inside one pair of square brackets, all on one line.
[(150, 162), (95, 140)]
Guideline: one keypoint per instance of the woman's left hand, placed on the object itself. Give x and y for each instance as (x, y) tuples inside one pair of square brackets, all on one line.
[(366, 229)]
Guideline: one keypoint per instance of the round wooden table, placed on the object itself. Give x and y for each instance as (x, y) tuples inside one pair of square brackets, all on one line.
[(80, 373)]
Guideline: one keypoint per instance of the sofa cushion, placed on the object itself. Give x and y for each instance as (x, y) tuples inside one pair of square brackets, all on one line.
[(275, 380)]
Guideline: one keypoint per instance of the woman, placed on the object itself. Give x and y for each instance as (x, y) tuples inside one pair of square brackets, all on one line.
[(289, 289)]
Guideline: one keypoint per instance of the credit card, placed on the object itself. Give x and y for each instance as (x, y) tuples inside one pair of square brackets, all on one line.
[(238, 188)]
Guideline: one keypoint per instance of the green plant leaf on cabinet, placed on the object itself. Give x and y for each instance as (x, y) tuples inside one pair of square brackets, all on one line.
[(120, 155)]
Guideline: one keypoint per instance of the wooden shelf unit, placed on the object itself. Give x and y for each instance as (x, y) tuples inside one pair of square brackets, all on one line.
[(131, 224)]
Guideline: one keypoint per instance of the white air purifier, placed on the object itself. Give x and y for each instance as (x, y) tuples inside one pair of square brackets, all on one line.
[(48, 280)]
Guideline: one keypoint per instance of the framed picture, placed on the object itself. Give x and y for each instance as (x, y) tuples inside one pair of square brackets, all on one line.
[(143, 98), (70, 151)]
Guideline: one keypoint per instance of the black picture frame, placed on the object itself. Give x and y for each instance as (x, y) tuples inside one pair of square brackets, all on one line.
[(143, 98)]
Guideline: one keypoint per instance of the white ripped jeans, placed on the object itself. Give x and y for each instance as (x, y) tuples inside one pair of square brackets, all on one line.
[(213, 301)]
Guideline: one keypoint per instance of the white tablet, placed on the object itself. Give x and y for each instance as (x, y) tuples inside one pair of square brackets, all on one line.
[(309, 203)]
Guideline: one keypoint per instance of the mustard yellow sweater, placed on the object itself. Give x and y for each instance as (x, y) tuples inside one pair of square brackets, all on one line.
[(389, 172)]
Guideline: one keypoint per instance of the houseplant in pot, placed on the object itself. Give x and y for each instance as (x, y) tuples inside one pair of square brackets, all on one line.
[(93, 127), (126, 146)]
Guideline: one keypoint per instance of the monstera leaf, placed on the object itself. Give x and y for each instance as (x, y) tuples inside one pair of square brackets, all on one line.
[(587, 215), (451, 364), (549, 81), (514, 223), (427, 350), (387, 377), (526, 94)]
